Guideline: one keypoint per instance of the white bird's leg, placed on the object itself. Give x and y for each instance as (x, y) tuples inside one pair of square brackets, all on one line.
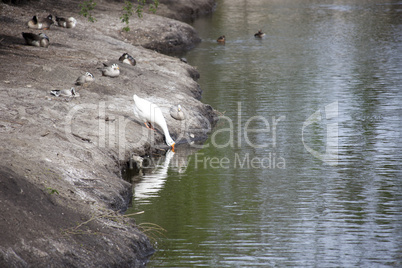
[(149, 125)]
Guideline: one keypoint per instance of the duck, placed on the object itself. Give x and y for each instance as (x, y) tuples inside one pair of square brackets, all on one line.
[(40, 24), (65, 93), (221, 39), (177, 113), (37, 40), (259, 34), (66, 23), (87, 77), (111, 71), (151, 115), (128, 59)]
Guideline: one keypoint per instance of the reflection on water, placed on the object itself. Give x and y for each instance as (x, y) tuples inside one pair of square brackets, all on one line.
[(304, 168), (150, 184), (154, 171)]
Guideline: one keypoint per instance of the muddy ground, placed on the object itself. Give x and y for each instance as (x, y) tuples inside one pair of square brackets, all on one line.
[(61, 190)]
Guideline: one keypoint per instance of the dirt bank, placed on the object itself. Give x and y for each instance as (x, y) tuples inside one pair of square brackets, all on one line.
[(61, 158)]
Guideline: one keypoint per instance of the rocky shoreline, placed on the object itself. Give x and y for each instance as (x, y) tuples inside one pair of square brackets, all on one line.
[(61, 190)]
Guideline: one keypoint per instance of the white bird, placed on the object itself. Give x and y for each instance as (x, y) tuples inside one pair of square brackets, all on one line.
[(151, 114), (65, 93), (177, 113), (111, 71)]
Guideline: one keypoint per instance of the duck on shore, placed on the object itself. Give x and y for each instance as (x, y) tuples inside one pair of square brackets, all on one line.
[(66, 23), (37, 40), (128, 59), (65, 93), (177, 112), (85, 78), (42, 23), (111, 71)]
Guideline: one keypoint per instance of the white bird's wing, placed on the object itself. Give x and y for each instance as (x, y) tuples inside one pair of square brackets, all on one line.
[(158, 117), (142, 109), (150, 112)]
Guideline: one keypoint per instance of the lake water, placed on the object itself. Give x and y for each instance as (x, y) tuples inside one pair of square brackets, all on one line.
[(304, 167)]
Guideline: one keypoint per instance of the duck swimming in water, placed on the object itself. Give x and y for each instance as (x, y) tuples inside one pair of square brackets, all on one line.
[(150, 114), (43, 23), (259, 34), (221, 39), (37, 40)]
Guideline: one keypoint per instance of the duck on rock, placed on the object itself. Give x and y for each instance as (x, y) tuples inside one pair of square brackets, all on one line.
[(110, 70), (128, 59), (66, 23), (85, 78), (39, 24), (177, 112), (37, 40)]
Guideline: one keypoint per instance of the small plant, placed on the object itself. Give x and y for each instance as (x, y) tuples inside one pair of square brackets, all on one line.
[(140, 8), (127, 12), (86, 8), (152, 230), (52, 191), (88, 5), (153, 7), (141, 4), (111, 215)]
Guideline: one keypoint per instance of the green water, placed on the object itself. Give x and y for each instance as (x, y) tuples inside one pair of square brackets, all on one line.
[(304, 168)]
